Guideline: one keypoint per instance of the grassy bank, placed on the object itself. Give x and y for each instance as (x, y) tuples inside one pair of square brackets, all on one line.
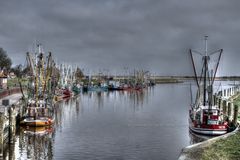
[(223, 149), (228, 148)]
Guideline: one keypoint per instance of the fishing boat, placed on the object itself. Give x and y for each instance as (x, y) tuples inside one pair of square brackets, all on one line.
[(37, 116), (113, 85), (38, 109), (76, 89), (204, 116), (66, 93), (66, 81), (100, 87)]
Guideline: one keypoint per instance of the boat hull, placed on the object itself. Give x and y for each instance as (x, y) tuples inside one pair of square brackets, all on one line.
[(206, 131), (37, 122)]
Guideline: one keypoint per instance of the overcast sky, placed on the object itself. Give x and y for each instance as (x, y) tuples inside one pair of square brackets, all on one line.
[(153, 35)]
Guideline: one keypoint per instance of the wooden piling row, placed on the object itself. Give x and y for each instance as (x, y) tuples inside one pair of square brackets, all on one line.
[(224, 99), (8, 119), (1, 133)]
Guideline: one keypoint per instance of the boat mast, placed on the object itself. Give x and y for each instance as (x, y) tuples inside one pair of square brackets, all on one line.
[(205, 73), (205, 83)]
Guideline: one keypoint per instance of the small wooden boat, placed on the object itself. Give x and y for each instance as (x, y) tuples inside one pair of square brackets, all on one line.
[(38, 116)]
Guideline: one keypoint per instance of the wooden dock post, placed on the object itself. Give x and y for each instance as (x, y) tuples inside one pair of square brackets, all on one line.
[(1, 133), (216, 102), (214, 99), (224, 107), (230, 110), (12, 124), (235, 116), (220, 104)]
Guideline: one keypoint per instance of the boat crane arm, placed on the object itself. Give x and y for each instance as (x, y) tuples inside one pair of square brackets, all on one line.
[(194, 68), (198, 52), (48, 74), (221, 50), (30, 63)]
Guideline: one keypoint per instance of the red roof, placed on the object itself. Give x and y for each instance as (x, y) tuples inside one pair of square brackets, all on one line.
[(2, 75)]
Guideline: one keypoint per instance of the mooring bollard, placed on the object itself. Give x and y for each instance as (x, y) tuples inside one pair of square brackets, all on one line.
[(235, 116)]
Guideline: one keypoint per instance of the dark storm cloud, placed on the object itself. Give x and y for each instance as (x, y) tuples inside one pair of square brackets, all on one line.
[(116, 34)]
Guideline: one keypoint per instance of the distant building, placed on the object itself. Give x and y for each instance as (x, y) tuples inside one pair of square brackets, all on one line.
[(3, 80)]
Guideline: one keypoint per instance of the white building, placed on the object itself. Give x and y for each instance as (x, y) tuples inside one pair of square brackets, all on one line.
[(3, 80)]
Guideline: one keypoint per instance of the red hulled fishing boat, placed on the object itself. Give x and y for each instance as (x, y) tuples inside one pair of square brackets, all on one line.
[(204, 116)]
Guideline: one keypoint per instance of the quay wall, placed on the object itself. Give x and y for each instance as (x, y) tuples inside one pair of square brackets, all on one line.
[(9, 92)]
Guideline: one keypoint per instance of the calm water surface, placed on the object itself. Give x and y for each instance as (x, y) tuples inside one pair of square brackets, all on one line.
[(146, 125)]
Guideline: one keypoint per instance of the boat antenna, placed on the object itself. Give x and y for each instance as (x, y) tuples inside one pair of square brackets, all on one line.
[(206, 38)]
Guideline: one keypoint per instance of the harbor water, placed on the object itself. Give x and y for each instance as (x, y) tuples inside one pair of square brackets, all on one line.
[(121, 125)]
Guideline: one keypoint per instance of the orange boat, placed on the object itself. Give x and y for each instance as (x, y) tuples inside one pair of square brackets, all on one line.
[(37, 122), (38, 116)]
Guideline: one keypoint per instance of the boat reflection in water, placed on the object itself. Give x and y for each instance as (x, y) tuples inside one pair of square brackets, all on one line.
[(36, 142), (135, 98), (31, 143), (41, 131)]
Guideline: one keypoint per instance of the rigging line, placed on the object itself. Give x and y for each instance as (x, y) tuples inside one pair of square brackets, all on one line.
[(194, 51), (215, 52)]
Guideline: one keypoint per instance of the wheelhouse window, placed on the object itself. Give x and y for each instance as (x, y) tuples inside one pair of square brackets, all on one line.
[(212, 122)]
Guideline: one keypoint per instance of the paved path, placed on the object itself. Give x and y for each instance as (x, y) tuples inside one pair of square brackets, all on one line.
[(12, 98)]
